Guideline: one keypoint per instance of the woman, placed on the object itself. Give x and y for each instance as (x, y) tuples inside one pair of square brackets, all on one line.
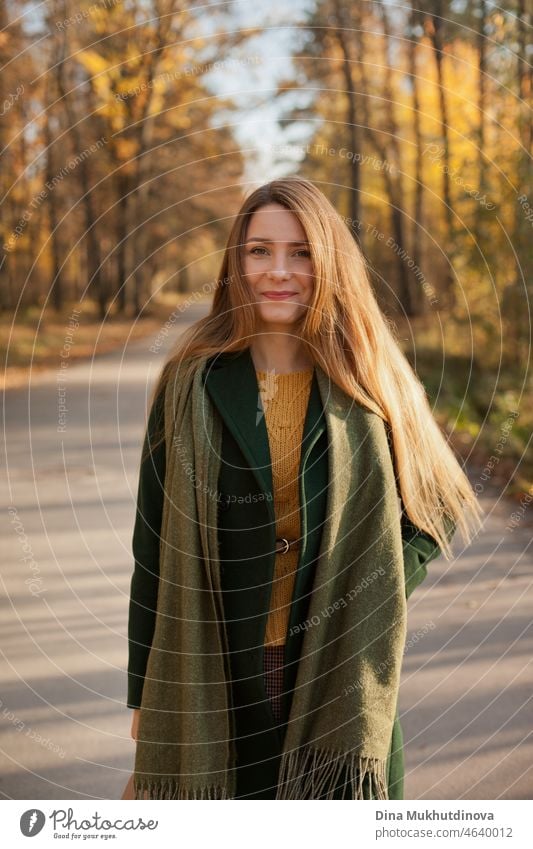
[(294, 486)]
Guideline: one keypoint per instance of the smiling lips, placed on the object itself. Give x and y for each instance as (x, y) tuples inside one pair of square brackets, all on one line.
[(278, 296)]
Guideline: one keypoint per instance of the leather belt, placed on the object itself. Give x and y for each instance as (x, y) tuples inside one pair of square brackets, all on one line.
[(283, 545)]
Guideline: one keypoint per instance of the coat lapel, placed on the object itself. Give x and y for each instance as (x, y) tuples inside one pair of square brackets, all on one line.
[(232, 384)]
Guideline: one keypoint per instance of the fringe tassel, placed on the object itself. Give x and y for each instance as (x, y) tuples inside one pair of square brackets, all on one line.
[(309, 773), (169, 788)]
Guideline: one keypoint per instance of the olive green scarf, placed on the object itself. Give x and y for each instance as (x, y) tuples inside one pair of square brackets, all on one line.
[(346, 690)]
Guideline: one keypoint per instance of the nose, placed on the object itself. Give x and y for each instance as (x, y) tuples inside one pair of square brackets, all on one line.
[(278, 274)]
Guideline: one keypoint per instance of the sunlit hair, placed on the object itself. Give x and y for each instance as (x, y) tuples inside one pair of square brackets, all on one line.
[(344, 331)]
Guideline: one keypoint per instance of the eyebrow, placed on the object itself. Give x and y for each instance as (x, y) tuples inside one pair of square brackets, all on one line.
[(261, 239)]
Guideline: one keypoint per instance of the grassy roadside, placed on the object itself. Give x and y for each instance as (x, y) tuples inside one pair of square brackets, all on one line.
[(35, 341), (489, 426), (486, 411)]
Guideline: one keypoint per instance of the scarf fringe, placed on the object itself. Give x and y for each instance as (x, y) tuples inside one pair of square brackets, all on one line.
[(309, 773), (305, 773), (169, 788)]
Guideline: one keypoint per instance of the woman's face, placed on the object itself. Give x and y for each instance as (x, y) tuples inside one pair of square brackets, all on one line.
[(277, 262)]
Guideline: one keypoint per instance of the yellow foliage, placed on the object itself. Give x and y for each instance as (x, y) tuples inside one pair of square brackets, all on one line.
[(93, 62), (125, 149)]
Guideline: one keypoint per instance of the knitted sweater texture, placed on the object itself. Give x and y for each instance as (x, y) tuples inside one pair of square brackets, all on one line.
[(284, 399)]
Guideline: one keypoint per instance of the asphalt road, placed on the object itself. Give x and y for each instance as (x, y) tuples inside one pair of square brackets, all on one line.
[(68, 507)]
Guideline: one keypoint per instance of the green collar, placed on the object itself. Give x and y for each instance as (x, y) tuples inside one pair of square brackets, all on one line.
[(241, 412)]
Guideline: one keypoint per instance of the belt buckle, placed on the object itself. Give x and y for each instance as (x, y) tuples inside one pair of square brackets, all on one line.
[(286, 545)]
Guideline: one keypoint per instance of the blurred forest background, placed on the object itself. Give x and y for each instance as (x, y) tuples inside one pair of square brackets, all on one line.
[(130, 131)]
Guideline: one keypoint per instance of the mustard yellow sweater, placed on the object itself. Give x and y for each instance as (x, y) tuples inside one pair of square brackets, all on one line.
[(284, 398)]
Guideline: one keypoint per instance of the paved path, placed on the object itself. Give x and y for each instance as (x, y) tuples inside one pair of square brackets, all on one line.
[(467, 688), (68, 510)]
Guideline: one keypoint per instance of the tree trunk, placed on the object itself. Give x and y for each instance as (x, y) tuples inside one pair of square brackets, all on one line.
[(434, 28), (51, 204), (122, 243), (416, 252), (392, 177), (94, 265), (354, 133)]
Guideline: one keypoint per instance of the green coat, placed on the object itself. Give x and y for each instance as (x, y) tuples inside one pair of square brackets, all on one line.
[(246, 536)]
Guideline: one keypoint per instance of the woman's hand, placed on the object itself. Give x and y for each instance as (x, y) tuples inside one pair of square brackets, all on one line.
[(129, 790), (135, 723)]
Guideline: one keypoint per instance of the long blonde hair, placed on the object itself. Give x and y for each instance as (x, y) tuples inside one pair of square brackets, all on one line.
[(345, 332)]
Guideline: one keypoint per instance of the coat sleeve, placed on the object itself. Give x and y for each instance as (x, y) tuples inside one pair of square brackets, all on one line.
[(419, 548), (145, 546)]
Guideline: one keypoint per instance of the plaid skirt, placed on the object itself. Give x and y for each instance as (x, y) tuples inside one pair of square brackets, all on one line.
[(273, 676)]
